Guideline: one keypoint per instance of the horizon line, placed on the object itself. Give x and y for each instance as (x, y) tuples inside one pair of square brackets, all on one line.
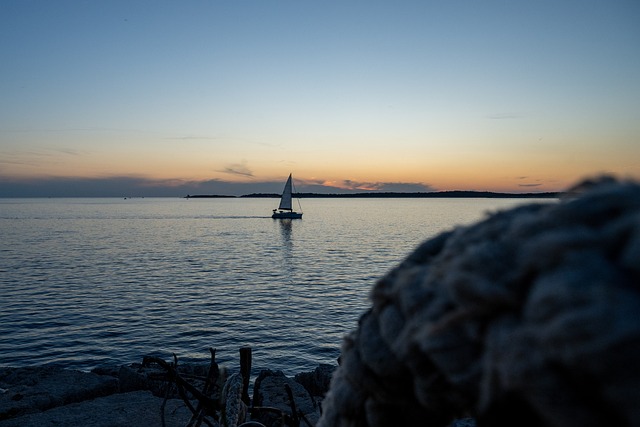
[(392, 194)]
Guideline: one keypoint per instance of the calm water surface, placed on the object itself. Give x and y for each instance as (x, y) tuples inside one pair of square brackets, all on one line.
[(91, 282)]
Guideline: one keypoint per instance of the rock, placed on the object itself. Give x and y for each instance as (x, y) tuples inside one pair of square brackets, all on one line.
[(317, 381), (33, 389), (133, 395), (154, 378), (134, 379), (110, 370), (269, 391), (463, 422), (139, 408)]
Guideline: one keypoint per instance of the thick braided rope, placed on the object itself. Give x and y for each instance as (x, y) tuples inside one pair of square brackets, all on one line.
[(530, 316)]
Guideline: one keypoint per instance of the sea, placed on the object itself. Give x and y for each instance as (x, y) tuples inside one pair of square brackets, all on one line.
[(97, 282)]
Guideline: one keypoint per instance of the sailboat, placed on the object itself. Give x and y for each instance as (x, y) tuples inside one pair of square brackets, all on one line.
[(285, 210)]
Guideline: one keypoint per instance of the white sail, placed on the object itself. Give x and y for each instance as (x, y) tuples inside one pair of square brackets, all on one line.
[(285, 201), (285, 210)]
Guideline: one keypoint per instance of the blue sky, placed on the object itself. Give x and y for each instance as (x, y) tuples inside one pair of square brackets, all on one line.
[(354, 95)]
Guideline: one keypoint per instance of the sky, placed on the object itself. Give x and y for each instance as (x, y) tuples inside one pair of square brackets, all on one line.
[(132, 97)]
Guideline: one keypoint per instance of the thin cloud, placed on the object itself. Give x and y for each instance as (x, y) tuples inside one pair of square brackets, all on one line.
[(69, 151), (125, 186), (119, 186), (4, 161), (74, 130), (36, 156), (529, 181), (504, 116), (405, 187), (192, 137), (240, 169)]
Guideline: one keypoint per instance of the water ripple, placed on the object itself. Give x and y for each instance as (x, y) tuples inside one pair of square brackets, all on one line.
[(87, 282)]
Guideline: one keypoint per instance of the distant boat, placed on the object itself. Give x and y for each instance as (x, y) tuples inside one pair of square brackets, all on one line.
[(285, 210)]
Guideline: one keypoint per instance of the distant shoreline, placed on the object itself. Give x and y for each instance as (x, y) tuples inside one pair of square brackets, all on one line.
[(391, 195)]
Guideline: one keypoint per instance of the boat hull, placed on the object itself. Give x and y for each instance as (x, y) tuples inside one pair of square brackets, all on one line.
[(287, 215)]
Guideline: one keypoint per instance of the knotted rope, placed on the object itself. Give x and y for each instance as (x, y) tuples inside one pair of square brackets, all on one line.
[(531, 316)]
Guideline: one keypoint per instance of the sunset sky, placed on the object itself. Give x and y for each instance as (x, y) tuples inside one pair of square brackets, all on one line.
[(229, 97)]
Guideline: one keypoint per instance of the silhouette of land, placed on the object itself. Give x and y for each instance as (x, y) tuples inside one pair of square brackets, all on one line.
[(382, 195), (208, 196)]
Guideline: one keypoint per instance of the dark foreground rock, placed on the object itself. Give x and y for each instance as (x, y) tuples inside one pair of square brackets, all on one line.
[(137, 408), (153, 378), (134, 395), (317, 381), (35, 389)]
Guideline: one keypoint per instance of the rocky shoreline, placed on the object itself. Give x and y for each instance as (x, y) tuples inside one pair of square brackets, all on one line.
[(136, 395)]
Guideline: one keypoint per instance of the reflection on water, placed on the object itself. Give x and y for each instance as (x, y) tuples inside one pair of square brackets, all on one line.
[(285, 231), (286, 227), (87, 282)]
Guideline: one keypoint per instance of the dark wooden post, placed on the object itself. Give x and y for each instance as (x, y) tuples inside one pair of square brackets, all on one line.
[(245, 371)]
